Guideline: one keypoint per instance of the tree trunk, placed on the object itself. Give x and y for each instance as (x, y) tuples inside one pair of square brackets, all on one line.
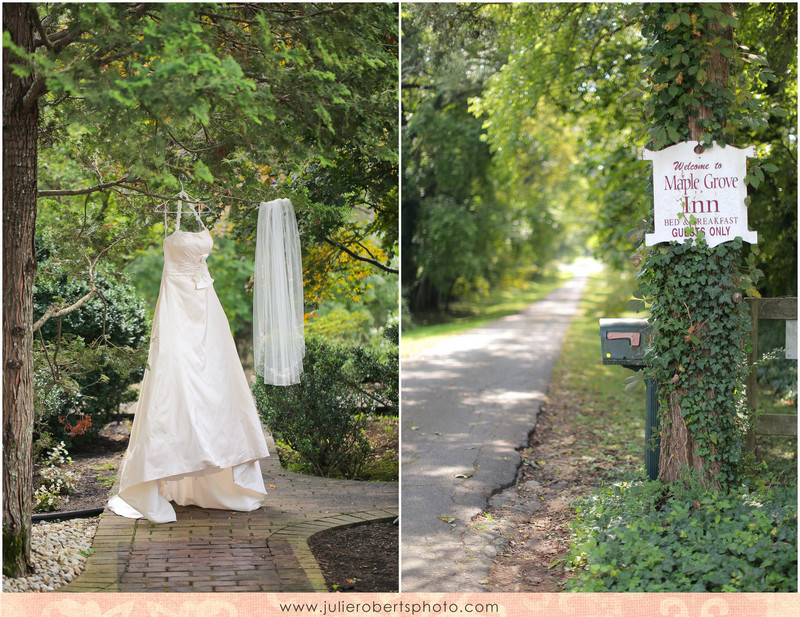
[(679, 448), (678, 444), (20, 131)]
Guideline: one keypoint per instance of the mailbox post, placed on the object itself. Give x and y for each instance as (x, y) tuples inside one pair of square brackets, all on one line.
[(623, 342)]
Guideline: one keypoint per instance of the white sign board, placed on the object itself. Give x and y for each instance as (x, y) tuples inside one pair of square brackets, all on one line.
[(709, 186)]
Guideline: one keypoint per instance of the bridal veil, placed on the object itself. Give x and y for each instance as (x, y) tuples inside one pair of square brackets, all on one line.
[(278, 338)]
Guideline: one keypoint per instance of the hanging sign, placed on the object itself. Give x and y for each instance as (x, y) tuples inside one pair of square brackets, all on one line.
[(708, 186)]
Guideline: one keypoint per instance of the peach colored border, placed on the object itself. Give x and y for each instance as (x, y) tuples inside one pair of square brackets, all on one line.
[(403, 604)]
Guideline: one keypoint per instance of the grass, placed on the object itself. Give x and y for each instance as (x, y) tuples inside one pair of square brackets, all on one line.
[(431, 328), (615, 419), (107, 475)]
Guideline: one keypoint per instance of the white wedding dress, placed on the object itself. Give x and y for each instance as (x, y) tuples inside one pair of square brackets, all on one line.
[(196, 436)]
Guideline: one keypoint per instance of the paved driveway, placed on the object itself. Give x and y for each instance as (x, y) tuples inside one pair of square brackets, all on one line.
[(467, 404)]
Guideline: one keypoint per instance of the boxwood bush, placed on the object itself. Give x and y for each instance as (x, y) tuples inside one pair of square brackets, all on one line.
[(645, 536), (323, 417)]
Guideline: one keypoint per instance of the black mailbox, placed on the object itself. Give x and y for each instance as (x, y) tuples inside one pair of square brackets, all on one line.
[(624, 341)]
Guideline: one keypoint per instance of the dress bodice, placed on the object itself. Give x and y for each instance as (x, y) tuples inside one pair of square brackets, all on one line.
[(185, 255)]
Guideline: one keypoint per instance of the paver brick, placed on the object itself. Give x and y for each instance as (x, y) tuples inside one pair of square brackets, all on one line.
[(220, 550)]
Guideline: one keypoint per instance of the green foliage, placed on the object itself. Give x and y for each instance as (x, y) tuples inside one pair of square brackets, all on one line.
[(339, 323), (617, 179), (774, 370), (348, 320), (616, 526), (382, 464), (238, 102), (581, 65), (271, 70), (557, 118), (448, 247), (56, 482), (378, 371), (85, 361), (447, 189), (144, 271), (469, 224), (770, 31), (699, 76), (323, 417), (757, 106), (642, 536), (334, 195), (699, 350), (120, 319)]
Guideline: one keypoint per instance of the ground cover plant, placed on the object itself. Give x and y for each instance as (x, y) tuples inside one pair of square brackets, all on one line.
[(630, 534), (645, 536)]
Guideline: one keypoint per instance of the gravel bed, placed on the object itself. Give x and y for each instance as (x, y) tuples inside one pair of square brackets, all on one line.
[(58, 550)]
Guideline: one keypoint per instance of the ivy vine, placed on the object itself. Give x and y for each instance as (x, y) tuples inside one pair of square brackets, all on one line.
[(697, 73), (697, 89)]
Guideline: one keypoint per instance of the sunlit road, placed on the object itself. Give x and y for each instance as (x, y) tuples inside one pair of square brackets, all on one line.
[(467, 404)]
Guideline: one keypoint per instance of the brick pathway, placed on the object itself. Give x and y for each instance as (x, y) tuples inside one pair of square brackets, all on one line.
[(220, 550)]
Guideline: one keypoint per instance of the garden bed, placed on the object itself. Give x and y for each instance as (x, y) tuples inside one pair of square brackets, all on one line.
[(350, 561), (97, 461)]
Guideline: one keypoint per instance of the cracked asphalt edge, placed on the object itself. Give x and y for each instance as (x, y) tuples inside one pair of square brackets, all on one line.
[(484, 540)]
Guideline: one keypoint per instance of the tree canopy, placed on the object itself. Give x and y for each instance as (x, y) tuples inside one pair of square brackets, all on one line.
[(238, 102), (469, 220), (559, 90)]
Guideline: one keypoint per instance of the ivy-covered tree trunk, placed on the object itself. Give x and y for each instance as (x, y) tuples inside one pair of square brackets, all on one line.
[(20, 132), (680, 449), (699, 320)]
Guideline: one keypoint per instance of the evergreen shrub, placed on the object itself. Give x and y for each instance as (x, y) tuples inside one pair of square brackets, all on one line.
[(101, 351), (323, 417)]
